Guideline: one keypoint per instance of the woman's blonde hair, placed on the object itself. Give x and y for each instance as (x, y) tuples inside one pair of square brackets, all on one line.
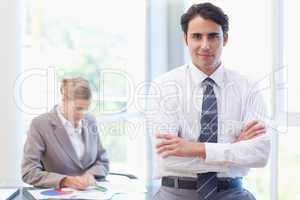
[(75, 88)]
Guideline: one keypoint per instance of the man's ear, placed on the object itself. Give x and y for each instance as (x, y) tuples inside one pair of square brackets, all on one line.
[(185, 38), (225, 39)]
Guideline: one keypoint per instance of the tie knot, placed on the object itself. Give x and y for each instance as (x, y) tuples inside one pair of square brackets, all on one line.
[(208, 81)]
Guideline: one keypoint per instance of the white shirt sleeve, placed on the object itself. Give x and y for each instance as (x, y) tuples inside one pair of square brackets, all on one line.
[(249, 153)]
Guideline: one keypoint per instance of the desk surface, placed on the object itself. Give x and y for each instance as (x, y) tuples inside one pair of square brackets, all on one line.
[(21, 196), (141, 196)]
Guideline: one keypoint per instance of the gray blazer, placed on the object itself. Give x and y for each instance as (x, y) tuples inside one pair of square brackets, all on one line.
[(49, 155)]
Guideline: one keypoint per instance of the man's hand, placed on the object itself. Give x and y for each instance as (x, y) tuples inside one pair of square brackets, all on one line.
[(171, 145), (252, 130), (79, 182)]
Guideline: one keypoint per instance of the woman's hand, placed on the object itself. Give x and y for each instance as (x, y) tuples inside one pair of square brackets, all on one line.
[(79, 182)]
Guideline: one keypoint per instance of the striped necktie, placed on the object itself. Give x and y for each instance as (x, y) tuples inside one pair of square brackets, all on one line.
[(207, 182)]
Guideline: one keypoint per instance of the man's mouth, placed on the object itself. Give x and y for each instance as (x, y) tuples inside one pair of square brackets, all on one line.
[(205, 55)]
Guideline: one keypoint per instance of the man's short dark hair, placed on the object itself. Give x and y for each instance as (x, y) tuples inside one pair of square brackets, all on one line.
[(206, 11)]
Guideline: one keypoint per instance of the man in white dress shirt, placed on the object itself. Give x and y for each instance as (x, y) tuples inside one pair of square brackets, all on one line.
[(209, 123)]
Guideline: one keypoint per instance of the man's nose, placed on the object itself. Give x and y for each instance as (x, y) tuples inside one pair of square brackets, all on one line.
[(205, 44), (79, 114)]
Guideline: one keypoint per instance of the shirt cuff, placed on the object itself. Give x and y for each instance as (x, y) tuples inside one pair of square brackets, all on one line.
[(216, 153)]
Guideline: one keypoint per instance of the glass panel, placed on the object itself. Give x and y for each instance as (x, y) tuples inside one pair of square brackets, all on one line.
[(289, 164), (125, 142), (291, 60), (102, 42), (258, 182)]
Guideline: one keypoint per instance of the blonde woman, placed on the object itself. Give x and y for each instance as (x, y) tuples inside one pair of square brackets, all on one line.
[(63, 147)]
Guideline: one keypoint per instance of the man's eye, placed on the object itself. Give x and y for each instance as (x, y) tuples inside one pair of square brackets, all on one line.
[(215, 36), (197, 36)]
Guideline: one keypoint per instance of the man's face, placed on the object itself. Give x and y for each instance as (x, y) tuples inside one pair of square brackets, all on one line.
[(205, 41)]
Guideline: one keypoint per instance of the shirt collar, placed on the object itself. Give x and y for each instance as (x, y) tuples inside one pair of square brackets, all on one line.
[(199, 76), (64, 121)]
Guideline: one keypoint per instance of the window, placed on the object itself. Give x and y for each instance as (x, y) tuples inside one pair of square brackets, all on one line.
[(289, 157), (291, 60), (103, 41)]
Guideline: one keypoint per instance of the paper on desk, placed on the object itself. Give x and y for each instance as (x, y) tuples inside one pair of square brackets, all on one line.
[(111, 187), (5, 193), (90, 193), (123, 185)]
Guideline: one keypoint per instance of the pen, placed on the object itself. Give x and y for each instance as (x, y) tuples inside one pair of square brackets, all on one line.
[(100, 188)]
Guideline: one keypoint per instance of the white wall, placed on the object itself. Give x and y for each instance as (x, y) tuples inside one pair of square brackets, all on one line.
[(10, 53)]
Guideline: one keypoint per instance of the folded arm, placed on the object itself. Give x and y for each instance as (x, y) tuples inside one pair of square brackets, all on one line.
[(251, 149)]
